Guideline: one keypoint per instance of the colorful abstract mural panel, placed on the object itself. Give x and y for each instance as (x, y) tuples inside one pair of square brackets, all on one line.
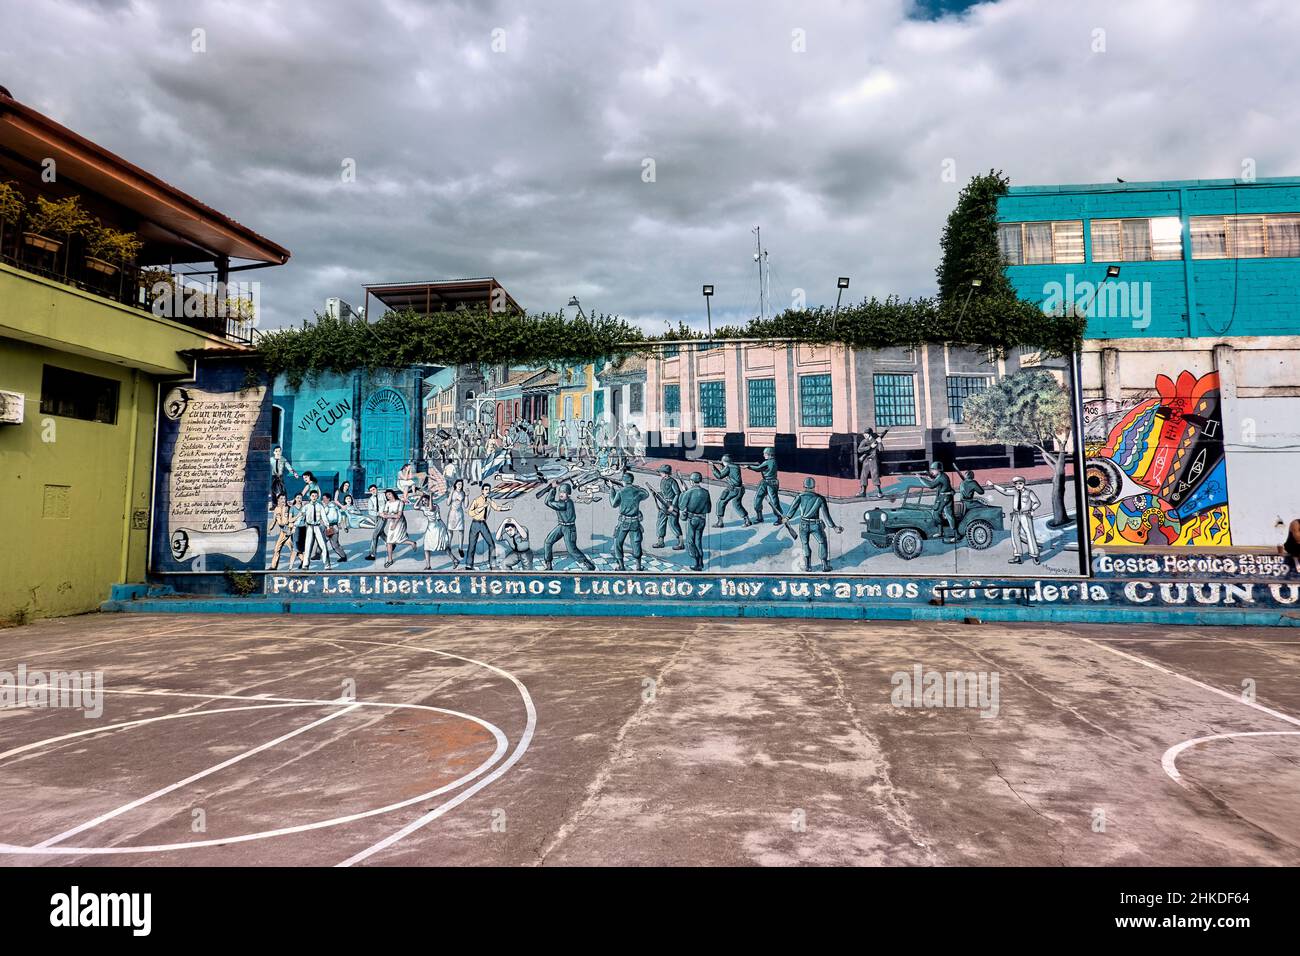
[(1156, 473)]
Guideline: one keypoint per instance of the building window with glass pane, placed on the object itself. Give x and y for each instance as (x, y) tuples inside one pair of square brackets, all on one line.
[(762, 402), (713, 404), (1137, 240), (635, 397), (895, 400), (1040, 243), (1271, 236), (815, 407), (959, 388), (672, 406)]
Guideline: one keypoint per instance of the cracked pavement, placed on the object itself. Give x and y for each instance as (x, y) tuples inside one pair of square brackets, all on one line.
[(655, 742)]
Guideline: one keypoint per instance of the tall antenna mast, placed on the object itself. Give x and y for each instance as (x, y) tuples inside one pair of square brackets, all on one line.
[(760, 256)]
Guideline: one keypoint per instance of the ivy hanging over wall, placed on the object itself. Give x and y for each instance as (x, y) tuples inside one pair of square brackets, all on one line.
[(990, 316)]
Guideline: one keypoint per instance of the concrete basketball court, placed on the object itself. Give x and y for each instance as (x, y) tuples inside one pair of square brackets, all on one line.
[(332, 740)]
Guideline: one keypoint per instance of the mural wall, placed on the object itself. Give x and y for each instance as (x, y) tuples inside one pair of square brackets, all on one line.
[(789, 461), (1156, 473)]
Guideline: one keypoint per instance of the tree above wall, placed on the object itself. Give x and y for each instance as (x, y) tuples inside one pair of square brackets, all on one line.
[(988, 316)]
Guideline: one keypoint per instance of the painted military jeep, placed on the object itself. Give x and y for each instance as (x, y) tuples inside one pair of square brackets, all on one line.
[(907, 527)]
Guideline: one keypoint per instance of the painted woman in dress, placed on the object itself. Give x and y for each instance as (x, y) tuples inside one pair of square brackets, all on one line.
[(436, 536), (395, 531), (456, 511)]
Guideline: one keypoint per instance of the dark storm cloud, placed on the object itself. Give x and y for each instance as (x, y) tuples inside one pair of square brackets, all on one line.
[(526, 163)]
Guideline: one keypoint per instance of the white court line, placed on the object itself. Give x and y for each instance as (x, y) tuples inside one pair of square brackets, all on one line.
[(1170, 756), (498, 752), (1236, 698), (1169, 760), (127, 807), (524, 740)]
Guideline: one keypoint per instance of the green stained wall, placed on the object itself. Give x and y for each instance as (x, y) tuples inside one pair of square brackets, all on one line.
[(69, 488)]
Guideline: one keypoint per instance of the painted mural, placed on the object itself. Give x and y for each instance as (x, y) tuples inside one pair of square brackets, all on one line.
[(1156, 474), (582, 470)]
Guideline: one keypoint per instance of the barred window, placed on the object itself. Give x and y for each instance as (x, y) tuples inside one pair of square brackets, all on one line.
[(762, 402), (672, 406), (713, 404), (671, 351), (815, 406), (895, 400), (961, 386), (635, 397)]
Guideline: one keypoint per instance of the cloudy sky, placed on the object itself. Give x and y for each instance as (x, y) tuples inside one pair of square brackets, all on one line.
[(516, 139)]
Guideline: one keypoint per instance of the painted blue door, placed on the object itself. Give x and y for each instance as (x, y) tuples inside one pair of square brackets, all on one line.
[(384, 445)]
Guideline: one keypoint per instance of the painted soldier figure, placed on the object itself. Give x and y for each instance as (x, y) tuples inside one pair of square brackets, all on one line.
[(628, 502), (560, 500), (969, 488), (808, 509), (733, 489), (666, 501), (769, 486), (868, 453), (937, 480), (693, 504)]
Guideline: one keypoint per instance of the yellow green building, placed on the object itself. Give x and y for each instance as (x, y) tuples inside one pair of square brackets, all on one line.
[(90, 330)]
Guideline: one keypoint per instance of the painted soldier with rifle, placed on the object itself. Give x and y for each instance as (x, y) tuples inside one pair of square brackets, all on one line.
[(666, 501), (812, 513), (868, 455)]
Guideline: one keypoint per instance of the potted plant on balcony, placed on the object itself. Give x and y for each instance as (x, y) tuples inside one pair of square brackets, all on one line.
[(49, 220), (108, 249), (12, 208)]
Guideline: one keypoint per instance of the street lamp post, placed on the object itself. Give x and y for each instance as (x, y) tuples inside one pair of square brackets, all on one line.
[(574, 303), (841, 284), (1112, 272), (708, 296), (974, 284)]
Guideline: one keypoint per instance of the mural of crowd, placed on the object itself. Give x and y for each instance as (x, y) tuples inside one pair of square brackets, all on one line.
[(592, 490)]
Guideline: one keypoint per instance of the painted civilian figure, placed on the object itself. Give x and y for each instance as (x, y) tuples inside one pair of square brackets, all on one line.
[(437, 539), (336, 522), (279, 465), (375, 515), (478, 526), (516, 552), (282, 524), (313, 519), (1023, 505), (395, 527)]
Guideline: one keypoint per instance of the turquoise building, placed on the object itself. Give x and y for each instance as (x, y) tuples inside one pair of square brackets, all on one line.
[(1198, 258), (1191, 360)]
